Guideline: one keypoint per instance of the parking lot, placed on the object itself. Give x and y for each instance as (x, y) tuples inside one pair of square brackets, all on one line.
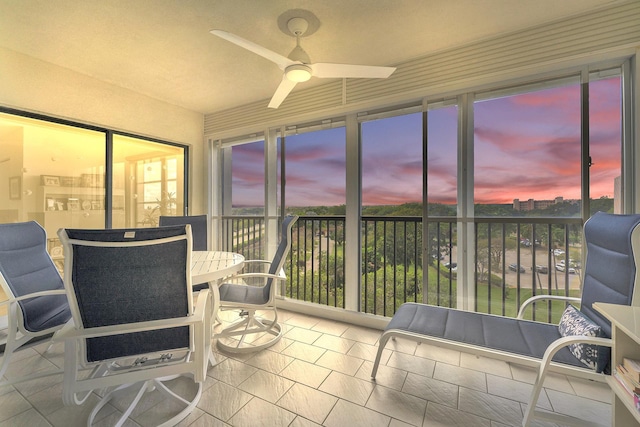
[(552, 278)]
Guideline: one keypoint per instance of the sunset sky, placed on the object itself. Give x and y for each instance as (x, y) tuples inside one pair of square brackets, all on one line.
[(526, 146)]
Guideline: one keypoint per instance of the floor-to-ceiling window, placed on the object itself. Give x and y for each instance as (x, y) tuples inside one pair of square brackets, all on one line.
[(550, 151), (442, 202), (315, 188), (506, 177), (392, 194), (245, 197)]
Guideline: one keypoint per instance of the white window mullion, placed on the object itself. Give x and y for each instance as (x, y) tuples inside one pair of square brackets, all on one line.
[(352, 245), (466, 224), (270, 192), (214, 178), (631, 134)]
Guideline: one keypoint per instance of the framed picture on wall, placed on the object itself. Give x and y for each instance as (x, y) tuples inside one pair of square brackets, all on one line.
[(15, 187)]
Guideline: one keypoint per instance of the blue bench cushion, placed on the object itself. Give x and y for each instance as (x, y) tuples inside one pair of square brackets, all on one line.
[(516, 336)]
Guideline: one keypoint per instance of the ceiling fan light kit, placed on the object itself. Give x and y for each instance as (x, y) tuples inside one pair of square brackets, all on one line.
[(297, 66), (298, 73)]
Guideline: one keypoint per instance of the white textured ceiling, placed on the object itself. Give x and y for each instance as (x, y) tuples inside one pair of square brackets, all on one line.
[(163, 48)]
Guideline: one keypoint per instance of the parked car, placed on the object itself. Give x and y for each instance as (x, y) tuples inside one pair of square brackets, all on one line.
[(514, 267), (558, 252), (562, 267), (542, 269)]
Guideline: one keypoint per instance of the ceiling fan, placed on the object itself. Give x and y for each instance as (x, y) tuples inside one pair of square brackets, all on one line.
[(297, 66)]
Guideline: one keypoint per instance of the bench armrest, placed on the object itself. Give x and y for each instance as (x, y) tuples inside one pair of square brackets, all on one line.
[(537, 298)]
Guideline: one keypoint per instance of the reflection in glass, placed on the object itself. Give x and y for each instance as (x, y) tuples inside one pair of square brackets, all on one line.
[(53, 174), (147, 181)]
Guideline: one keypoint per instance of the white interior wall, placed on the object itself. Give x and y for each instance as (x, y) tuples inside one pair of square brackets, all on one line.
[(39, 87)]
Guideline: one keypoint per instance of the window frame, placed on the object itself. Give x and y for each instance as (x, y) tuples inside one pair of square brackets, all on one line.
[(108, 157)]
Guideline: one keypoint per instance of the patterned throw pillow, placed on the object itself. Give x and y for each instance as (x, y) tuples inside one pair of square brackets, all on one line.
[(572, 323)]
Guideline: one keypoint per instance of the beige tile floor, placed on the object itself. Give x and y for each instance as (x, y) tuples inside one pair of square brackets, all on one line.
[(319, 374)]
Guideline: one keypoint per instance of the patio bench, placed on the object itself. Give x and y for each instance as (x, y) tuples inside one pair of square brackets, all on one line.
[(578, 346)]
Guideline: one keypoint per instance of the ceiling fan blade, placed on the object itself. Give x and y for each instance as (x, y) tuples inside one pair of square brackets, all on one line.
[(286, 86), (281, 60), (324, 70)]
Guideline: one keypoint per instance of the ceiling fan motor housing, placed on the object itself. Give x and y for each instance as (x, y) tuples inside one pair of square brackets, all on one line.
[(297, 26)]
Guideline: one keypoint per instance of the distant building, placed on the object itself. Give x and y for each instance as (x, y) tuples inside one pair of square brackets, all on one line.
[(531, 204)]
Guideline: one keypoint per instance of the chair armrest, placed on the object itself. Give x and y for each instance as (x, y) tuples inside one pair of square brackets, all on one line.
[(34, 295), (537, 298), (560, 343), (232, 279), (256, 261), (69, 331), (201, 303), (551, 350)]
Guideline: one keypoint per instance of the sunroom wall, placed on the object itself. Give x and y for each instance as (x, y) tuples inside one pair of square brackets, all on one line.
[(36, 86)]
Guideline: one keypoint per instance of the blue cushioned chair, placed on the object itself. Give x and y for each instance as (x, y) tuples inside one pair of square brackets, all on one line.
[(199, 231), (252, 332), (199, 228), (134, 322), (612, 245), (37, 304)]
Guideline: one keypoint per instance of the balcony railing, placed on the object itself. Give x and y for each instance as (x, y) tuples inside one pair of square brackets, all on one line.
[(391, 263), (516, 258), (513, 259), (316, 261), (244, 235)]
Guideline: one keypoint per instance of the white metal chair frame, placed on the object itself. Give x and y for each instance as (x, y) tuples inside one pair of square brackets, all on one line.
[(13, 334), (16, 335), (250, 323), (147, 373)]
